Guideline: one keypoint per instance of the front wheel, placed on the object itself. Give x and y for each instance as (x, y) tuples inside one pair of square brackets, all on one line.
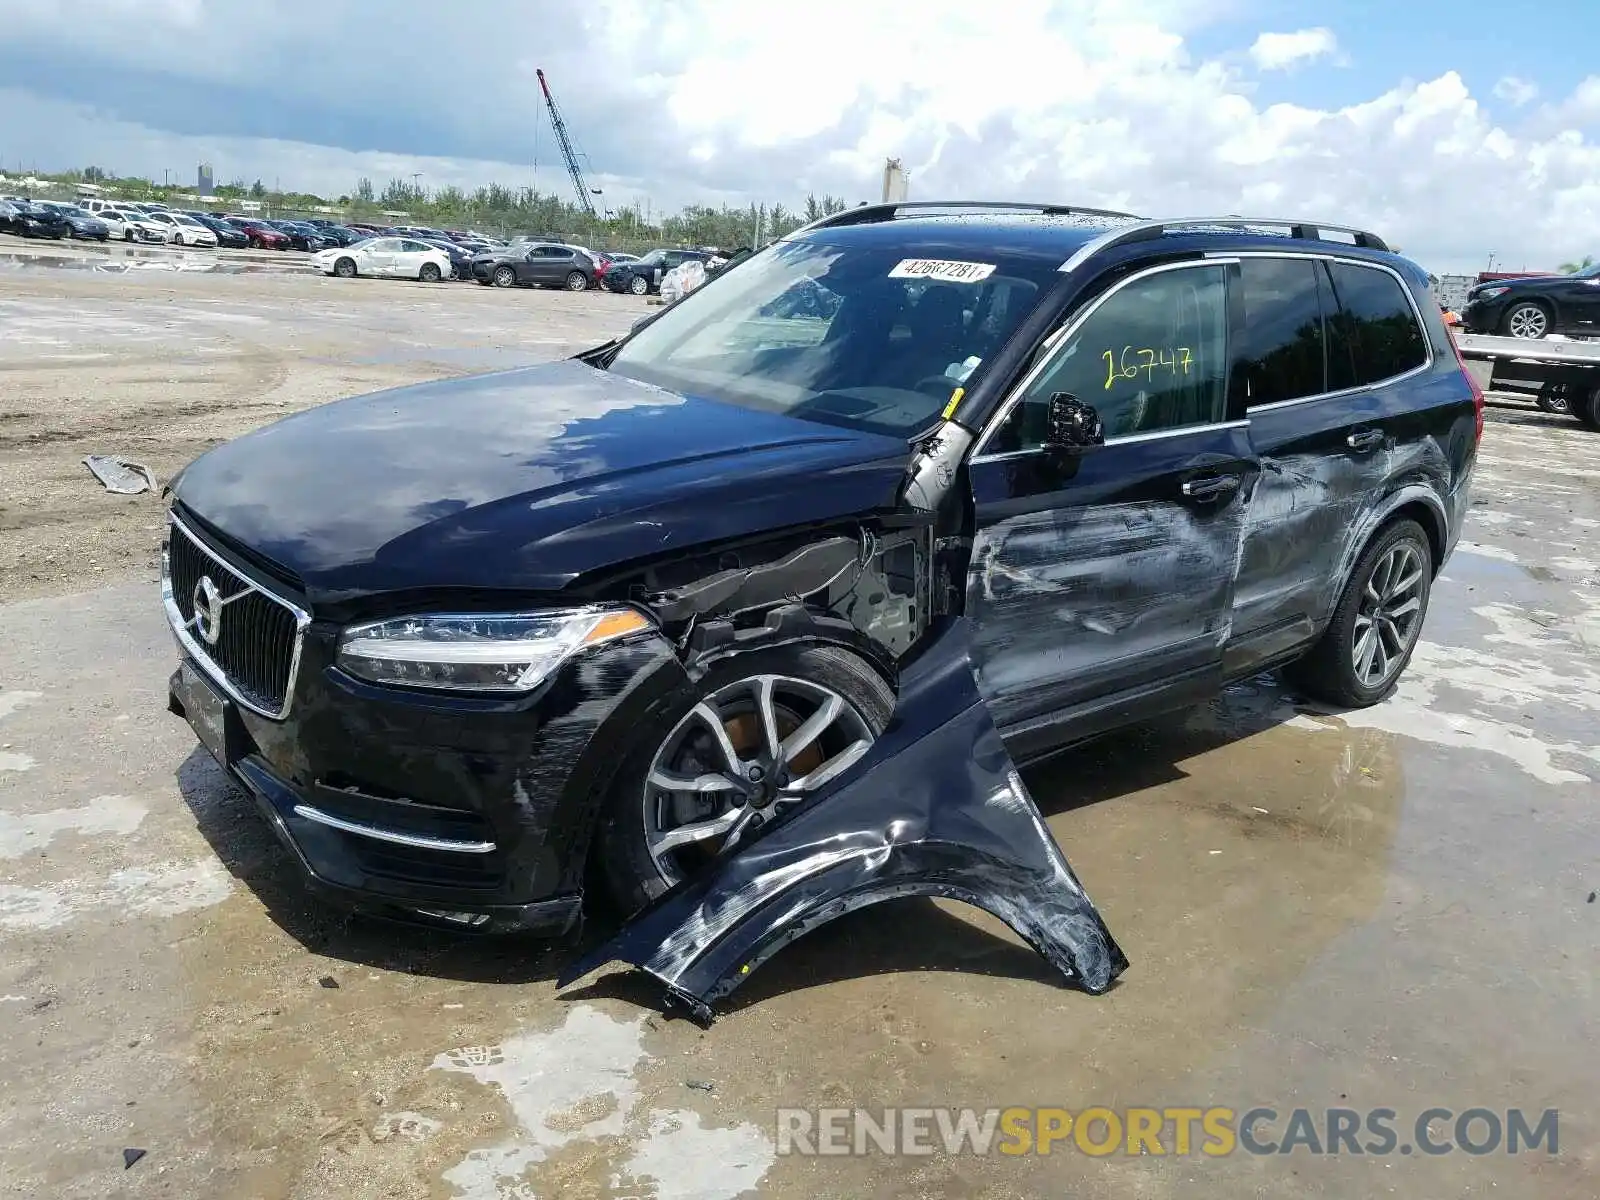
[(504, 277), (127, 235), (766, 730), (639, 285), (430, 273), (1528, 321), (1553, 398), (1375, 626), (177, 239), (345, 268), (577, 281)]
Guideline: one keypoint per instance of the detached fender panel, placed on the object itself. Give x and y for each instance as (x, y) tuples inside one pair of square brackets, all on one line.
[(936, 808)]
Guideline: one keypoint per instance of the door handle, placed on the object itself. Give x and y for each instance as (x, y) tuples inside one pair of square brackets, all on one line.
[(1363, 440), (1212, 487)]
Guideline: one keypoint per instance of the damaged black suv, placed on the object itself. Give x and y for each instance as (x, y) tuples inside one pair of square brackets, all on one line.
[(472, 643)]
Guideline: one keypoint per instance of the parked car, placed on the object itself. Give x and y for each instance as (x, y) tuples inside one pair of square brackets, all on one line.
[(8, 215), (261, 235), (540, 265), (301, 237), (405, 258), (228, 238), (132, 226), (1536, 306), (184, 230), (469, 642), (643, 276), (31, 219), (339, 235), (460, 257), (81, 223)]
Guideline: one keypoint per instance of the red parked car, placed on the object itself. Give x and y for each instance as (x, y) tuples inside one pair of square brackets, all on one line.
[(262, 237)]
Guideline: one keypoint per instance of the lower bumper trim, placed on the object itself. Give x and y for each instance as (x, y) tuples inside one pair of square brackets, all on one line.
[(399, 838)]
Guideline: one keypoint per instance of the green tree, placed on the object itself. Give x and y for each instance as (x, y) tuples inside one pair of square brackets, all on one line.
[(1574, 268), (258, 190)]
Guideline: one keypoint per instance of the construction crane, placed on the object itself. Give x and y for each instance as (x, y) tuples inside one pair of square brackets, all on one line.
[(567, 152)]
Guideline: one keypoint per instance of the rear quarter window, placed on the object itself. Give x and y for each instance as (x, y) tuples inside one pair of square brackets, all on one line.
[(1373, 334)]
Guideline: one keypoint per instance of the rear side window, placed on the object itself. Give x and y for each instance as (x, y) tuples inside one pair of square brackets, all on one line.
[(1280, 352), (1375, 328)]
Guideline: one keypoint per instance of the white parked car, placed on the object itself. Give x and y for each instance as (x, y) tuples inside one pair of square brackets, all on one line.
[(184, 230), (405, 258), (133, 226)]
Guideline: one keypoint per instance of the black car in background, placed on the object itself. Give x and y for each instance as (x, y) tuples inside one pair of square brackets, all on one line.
[(339, 235), (83, 224), (536, 265), (301, 237), (31, 219), (1535, 306), (642, 276), (228, 238), (473, 643), (460, 256)]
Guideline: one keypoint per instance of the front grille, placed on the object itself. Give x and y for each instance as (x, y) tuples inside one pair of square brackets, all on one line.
[(256, 635)]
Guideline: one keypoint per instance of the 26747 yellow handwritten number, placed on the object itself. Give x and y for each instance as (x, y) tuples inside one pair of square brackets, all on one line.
[(1134, 361)]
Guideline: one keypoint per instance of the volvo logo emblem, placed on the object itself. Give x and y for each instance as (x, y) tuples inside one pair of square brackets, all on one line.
[(207, 610)]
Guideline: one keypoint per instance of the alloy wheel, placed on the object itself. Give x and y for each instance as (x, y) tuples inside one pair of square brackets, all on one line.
[(739, 758), (1389, 615), (1529, 321)]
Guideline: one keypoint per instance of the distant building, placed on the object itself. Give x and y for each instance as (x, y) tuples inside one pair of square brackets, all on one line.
[(207, 183)]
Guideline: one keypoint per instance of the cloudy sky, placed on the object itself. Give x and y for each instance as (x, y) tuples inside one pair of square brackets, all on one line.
[(1454, 128)]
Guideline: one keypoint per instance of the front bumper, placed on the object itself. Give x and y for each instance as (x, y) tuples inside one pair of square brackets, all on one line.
[(1484, 316), (466, 811)]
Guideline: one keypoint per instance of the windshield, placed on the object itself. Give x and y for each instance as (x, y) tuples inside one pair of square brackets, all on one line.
[(1589, 272), (873, 338)]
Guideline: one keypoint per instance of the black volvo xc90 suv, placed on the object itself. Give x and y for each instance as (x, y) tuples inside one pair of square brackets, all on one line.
[(463, 642)]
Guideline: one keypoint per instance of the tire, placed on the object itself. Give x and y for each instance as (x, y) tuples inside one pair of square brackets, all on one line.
[(504, 277), (429, 273), (1332, 670), (345, 267), (802, 674), (1555, 398), (1530, 320), (127, 235), (1589, 411), (177, 239), (639, 285), (577, 281)]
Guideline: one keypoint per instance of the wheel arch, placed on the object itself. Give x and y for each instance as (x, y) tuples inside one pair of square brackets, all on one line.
[(1413, 502)]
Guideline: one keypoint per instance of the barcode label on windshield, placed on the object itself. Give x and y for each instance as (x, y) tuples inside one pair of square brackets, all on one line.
[(944, 272)]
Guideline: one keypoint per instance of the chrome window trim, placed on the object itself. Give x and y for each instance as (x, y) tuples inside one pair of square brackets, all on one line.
[(1427, 362), (1052, 343), (1154, 435), (377, 833), (197, 652)]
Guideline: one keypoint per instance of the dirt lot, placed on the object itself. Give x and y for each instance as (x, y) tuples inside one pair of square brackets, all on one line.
[(159, 366), (1377, 909)]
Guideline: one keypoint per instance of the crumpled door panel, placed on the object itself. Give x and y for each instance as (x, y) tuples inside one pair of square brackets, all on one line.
[(936, 808)]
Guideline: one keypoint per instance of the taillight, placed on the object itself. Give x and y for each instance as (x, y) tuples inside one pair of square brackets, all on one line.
[(1472, 382)]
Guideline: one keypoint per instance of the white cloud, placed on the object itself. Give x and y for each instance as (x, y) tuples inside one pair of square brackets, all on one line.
[(1281, 51), (1099, 102), (1516, 91)]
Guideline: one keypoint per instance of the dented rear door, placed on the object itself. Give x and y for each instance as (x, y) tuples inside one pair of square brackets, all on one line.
[(1101, 582)]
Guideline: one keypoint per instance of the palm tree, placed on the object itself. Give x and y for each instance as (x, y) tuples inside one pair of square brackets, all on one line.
[(1574, 268)]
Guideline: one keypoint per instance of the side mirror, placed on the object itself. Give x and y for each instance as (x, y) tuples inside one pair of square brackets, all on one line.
[(1071, 426)]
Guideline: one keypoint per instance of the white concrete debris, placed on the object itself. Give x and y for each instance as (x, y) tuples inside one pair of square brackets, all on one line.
[(160, 890), (21, 833), (12, 761), (407, 1126), (588, 1066)]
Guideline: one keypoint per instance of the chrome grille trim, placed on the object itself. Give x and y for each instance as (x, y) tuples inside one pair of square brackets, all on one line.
[(238, 587), (399, 837)]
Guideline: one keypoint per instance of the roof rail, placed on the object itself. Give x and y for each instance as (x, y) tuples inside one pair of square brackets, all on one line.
[(867, 214), (1154, 229)]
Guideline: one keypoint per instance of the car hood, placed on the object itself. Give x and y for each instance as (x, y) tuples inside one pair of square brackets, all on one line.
[(1521, 282), (522, 480)]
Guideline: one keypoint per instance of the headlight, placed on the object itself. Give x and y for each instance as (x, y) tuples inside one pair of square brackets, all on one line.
[(1491, 293), (491, 652)]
